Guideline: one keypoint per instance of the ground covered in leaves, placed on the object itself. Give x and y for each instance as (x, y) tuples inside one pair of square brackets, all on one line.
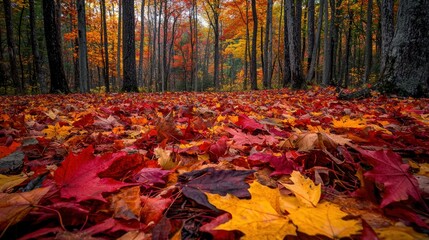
[(256, 165)]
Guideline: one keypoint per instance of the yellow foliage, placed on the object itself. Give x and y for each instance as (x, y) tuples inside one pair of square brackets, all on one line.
[(399, 232), (257, 217), (57, 131), (307, 193), (165, 159), (7, 182)]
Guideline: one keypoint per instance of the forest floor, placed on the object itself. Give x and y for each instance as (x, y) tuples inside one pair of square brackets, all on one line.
[(260, 164)]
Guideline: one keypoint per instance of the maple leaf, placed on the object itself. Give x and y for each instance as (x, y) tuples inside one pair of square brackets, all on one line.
[(307, 193), (77, 175), (127, 204), (257, 218), (320, 140), (347, 122), (107, 123), (389, 170), (281, 164), (7, 182), (324, 219), (241, 138), (15, 206), (248, 123), (214, 181), (57, 131)]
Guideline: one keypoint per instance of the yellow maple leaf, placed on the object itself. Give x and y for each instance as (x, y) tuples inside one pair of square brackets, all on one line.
[(307, 193), (346, 122), (399, 232), (57, 131), (7, 182), (257, 217), (325, 219)]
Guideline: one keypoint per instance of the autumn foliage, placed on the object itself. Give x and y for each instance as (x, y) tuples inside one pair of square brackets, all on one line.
[(250, 165)]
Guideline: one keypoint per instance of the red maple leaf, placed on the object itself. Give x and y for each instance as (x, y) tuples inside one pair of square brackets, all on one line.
[(248, 123), (77, 175), (389, 170)]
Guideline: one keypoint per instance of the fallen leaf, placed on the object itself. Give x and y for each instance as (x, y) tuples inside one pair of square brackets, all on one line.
[(127, 204), (57, 131), (325, 219), (389, 170), (307, 193), (15, 206), (399, 232), (222, 182), (255, 217), (6, 150), (165, 160), (77, 175), (7, 182)]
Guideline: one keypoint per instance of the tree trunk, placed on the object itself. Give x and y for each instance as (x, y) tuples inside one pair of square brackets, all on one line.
[(11, 47), (310, 29), (37, 61), (268, 45), (407, 65), (387, 30), (83, 51), (253, 67), (129, 50), (315, 48), (118, 50), (53, 46), (327, 56), (368, 43), (286, 64), (141, 48), (294, 50), (106, 48)]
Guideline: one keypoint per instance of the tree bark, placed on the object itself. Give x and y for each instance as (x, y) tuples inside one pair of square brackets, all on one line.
[(368, 43), (407, 65), (286, 63), (106, 48), (118, 50), (310, 29), (314, 55), (53, 46), (327, 56), (253, 67), (387, 30), (11, 47), (37, 61), (294, 50), (129, 50), (268, 45), (83, 50), (140, 73)]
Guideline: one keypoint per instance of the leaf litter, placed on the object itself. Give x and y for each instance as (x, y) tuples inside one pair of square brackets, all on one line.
[(251, 165)]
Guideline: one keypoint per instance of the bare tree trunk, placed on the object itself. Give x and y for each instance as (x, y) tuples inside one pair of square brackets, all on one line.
[(129, 54), (286, 66), (253, 67), (53, 46), (348, 49), (268, 46), (11, 47), (21, 64), (407, 65), (294, 50), (368, 43), (83, 52), (118, 50), (387, 30), (35, 50), (106, 48), (310, 29), (140, 73), (315, 48), (327, 56)]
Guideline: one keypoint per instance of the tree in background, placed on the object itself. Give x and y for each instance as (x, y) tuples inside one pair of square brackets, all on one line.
[(83, 51), (129, 49), (53, 46)]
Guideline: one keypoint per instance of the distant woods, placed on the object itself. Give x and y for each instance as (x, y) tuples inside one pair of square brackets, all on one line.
[(62, 46)]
